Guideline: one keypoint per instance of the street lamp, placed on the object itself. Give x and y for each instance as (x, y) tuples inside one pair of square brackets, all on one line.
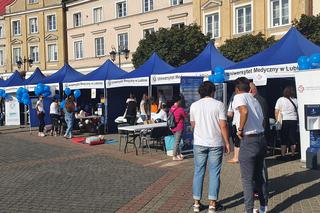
[(24, 62), (121, 51)]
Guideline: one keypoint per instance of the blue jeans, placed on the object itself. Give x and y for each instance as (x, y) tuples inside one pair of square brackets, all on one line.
[(201, 156), (69, 120)]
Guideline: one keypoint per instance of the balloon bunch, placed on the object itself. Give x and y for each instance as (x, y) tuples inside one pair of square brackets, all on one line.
[(76, 93), (311, 62), (23, 96), (42, 89), (4, 95), (218, 76)]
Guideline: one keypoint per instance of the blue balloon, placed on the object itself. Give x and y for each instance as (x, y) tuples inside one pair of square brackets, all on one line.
[(2, 93), (39, 89), (62, 104), (219, 78), (25, 96), (67, 91), (26, 101), (218, 70), (302, 60), (77, 93), (304, 67), (20, 91), (211, 78), (46, 94), (7, 97), (315, 60), (46, 88)]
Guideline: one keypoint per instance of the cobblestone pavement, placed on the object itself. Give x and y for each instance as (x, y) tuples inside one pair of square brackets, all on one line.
[(53, 175)]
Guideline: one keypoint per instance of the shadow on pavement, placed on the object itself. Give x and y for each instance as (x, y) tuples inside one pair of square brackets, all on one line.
[(281, 184)]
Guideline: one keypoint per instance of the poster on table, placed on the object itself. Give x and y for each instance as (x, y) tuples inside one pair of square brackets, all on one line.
[(189, 89), (308, 94), (12, 111)]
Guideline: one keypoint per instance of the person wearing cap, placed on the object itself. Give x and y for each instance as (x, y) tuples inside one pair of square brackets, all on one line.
[(180, 115)]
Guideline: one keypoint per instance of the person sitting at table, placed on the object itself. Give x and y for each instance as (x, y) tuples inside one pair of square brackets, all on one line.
[(161, 116)]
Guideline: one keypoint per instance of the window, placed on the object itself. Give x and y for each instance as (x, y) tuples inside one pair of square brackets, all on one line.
[(33, 25), (34, 53), (52, 52), (51, 23), (1, 32), (212, 25), (78, 50), (176, 2), (16, 54), (148, 5), (178, 25), (16, 28), (243, 19), (121, 9), (97, 15), (99, 44), (77, 20), (123, 41), (1, 57), (147, 32), (33, 1), (279, 12)]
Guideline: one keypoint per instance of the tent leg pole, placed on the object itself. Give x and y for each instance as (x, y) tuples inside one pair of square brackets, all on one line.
[(105, 108)]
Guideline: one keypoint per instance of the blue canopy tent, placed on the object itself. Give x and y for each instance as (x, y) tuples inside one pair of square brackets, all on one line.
[(99, 79), (140, 76), (64, 75), (278, 61), (36, 77), (202, 65), (13, 82), (1, 82)]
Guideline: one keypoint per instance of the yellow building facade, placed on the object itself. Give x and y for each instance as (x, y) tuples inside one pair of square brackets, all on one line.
[(225, 19), (34, 29)]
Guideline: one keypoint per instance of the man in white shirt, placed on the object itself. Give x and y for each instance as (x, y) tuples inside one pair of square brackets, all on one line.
[(41, 115), (253, 145), (208, 119)]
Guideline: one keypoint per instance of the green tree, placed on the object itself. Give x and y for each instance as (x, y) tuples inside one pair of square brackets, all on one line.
[(309, 26), (238, 49), (175, 45)]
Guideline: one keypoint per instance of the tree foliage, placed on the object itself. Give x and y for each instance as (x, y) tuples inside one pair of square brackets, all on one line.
[(238, 49), (175, 45), (309, 26)]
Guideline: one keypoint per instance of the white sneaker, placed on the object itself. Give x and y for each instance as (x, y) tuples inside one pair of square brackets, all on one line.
[(42, 134), (39, 134)]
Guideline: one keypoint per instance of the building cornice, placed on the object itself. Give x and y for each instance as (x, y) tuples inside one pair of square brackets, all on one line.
[(153, 21), (123, 27), (181, 15), (33, 11), (78, 35), (98, 31)]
